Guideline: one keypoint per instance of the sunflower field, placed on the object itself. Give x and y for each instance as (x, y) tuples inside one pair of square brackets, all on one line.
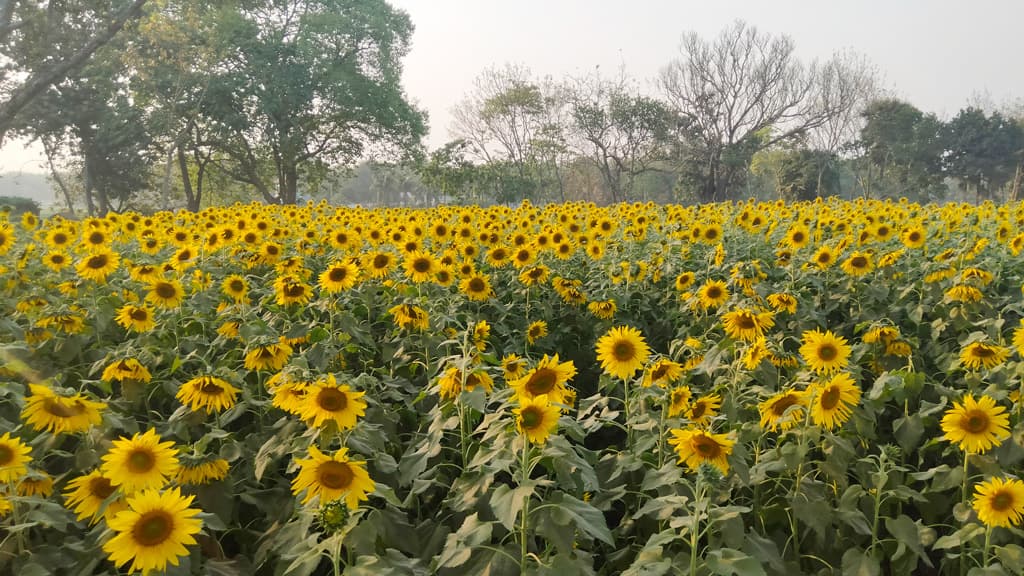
[(733, 389)]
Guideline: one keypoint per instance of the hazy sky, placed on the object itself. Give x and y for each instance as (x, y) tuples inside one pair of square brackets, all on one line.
[(935, 53)]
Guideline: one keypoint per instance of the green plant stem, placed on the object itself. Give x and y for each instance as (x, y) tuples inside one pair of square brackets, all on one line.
[(336, 558), (661, 438), (695, 526), (874, 523), (625, 402), (963, 501), (524, 466), (988, 547)]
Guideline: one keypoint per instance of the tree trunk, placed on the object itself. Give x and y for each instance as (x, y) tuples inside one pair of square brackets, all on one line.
[(288, 187), (165, 187), (87, 187), (1017, 180), (191, 202), (50, 153)]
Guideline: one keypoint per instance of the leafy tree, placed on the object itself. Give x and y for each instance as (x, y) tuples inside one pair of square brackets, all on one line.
[(304, 84), (983, 151), (43, 42), (901, 150), (805, 174)]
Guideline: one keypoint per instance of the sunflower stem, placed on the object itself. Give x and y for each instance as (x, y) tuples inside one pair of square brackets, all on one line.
[(625, 402), (698, 495), (988, 547), (524, 466), (963, 502)]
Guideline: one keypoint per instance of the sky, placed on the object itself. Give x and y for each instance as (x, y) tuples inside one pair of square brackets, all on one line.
[(938, 54)]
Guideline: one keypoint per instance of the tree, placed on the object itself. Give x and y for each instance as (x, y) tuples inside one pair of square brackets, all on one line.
[(744, 92), (513, 124), (983, 151), (43, 43), (619, 131), (305, 84), (901, 151)]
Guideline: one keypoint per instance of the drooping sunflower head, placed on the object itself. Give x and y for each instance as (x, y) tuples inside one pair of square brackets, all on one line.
[(536, 330), (695, 447), (702, 410), (47, 410), (622, 351), (662, 373), (14, 458), (208, 393), (978, 355), (85, 495), (832, 401), (679, 400), (782, 411)]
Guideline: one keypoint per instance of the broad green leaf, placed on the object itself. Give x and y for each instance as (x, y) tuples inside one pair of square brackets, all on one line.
[(857, 563), (588, 519), (729, 562)]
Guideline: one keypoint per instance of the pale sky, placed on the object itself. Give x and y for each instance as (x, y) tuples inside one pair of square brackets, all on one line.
[(937, 54)]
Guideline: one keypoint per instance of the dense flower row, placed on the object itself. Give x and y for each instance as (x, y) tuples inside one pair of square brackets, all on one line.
[(159, 368)]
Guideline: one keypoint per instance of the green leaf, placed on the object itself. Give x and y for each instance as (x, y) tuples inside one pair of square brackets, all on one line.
[(907, 532), (990, 570), (1012, 556), (459, 546), (587, 518), (727, 562), (508, 502), (908, 432), (856, 563)]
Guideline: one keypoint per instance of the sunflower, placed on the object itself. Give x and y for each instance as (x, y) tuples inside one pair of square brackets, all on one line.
[(704, 409), (165, 294), (197, 473), (513, 367), (684, 281), (679, 400), (98, 266), (47, 410), (127, 369), (549, 378), (603, 309), (824, 257), (453, 382), (56, 261), (858, 264), (153, 531), (781, 301), (140, 462), (269, 357), (831, 401), (536, 418), (407, 315), (236, 288), (964, 293), (746, 325), (209, 393), (622, 351), (978, 355), (378, 264), (35, 483), (977, 425), (535, 331), (696, 447), (289, 395), (662, 373), (1018, 338), (86, 496), (339, 276), (824, 352), (999, 502), (327, 401), (332, 477), (420, 266), (5, 506), (713, 294), (534, 275), (797, 237), (779, 412), (14, 458), (135, 318), (913, 237), (477, 287)]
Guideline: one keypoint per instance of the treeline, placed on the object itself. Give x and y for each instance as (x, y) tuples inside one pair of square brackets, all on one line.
[(143, 105)]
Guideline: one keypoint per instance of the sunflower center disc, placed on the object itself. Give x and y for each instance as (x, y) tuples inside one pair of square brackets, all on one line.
[(332, 400), (623, 351), (153, 528), (531, 418), (6, 455), (476, 285), (166, 290), (236, 286), (714, 293), (706, 447), (782, 404), (62, 410), (101, 488), (698, 410), (859, 262), (210, 389), (294, 290), (542, 381), (139, 315), (976, 422), (97, 262), (830, 398), (335, 475), (827, 352), (421, 265), (983, 352), (338, 274), (746, 323), (1001, 501), (141, 461)]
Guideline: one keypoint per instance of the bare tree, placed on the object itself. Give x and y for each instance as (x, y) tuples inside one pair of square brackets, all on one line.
[(741, 93)]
